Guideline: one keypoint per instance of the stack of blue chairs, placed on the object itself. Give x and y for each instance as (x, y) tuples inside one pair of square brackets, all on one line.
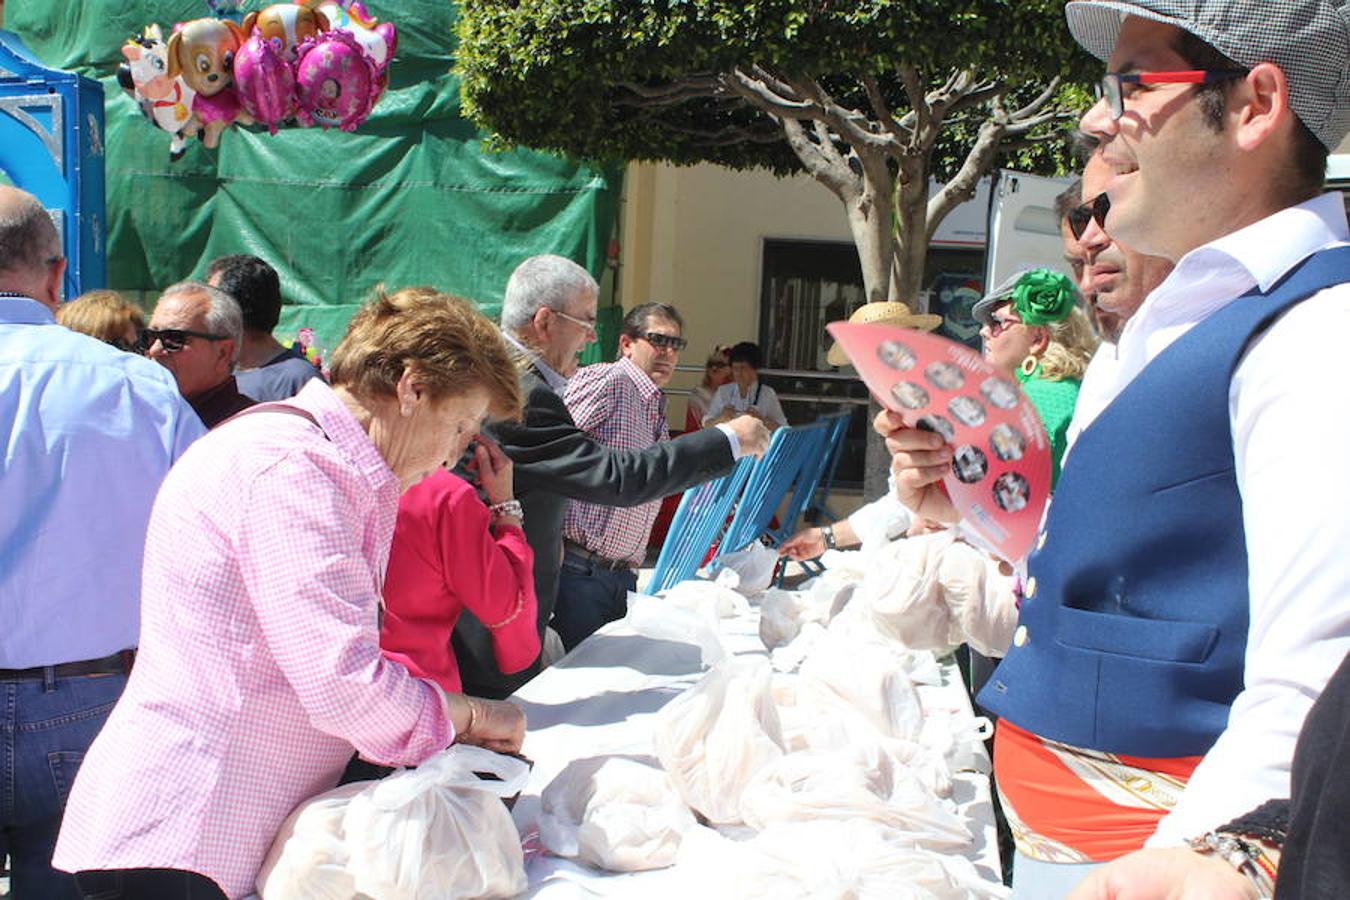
[(797, 459), (697, 523)]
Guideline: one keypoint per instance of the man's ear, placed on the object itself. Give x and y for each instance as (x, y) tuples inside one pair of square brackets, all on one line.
[(56, 274), (1262, 104), (625, 343)]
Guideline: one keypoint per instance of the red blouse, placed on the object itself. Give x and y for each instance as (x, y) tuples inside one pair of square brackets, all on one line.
[(445, 559)]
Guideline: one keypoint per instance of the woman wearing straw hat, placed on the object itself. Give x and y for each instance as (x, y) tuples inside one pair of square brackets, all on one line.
[(1034, 331)]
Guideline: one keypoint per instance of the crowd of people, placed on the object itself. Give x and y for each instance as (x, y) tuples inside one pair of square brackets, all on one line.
[(227, 580)]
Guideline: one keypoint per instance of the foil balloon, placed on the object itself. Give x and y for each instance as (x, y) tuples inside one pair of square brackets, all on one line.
[(379, 40), (264, 81), (165, 101), (286, 25), (335, 82)]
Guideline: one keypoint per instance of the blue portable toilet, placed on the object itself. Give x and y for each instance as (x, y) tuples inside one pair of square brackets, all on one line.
[(51, 145)]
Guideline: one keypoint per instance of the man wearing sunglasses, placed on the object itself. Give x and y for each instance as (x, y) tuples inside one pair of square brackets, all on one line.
[(1113, 278), (620, 405), (1187, 602), (195, 332), (87, 434), (549, 314)]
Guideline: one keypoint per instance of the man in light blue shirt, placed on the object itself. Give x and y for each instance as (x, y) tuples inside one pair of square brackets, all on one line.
[(87, 432)]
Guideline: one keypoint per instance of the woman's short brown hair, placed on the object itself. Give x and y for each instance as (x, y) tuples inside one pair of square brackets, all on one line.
[(105, 315), (448, 343)]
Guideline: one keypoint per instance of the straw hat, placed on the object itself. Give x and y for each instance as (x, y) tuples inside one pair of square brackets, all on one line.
[(883, 312)]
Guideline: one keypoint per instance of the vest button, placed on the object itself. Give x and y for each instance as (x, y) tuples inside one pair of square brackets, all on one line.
[(1030, 590), (1021, 636)]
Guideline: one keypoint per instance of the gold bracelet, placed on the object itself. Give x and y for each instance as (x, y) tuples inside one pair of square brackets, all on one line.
[(473, 719)]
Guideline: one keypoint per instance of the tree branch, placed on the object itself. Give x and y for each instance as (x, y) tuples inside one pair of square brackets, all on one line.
[(899, 132)]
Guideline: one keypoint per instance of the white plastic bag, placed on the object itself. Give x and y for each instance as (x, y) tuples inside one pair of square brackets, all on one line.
[(863, 783), (829, 860), (706, 596), (816, 719), (654, 617), (716, 735), (308, 859), (748, 571), (439, 830), (870, 676), (904, 594), (614, 812)]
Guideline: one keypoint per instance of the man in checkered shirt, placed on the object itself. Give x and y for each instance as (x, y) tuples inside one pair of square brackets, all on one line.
[(621, 406)]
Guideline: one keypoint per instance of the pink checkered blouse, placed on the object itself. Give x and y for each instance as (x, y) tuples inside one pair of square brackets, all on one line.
[(259, 666)]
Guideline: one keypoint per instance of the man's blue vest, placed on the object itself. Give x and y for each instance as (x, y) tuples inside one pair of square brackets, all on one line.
[(1134, 624)]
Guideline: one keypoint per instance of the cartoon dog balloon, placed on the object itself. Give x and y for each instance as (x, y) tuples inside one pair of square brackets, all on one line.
[(286, 25), (164, 100), (202, 52)]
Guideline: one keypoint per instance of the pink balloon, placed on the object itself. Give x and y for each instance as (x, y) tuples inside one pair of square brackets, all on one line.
[(265, 81), (335, 82)]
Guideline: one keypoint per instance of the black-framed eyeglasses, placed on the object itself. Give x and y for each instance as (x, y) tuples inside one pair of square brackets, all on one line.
[(1112, 84), (174, 339), (1095, 209), (664, 341)]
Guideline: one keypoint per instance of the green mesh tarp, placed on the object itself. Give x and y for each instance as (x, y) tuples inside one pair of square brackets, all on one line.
[(410, 198)]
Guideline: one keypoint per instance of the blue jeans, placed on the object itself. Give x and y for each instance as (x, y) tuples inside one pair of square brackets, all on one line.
[(45, 729), (1036, 880), (589, 596), (148, 884)]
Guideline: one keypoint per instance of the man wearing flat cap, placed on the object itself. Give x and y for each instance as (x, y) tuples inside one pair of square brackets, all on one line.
[(1188, 598)]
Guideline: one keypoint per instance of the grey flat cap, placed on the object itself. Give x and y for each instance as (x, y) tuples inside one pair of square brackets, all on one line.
[(983, 310), (1308, 39)]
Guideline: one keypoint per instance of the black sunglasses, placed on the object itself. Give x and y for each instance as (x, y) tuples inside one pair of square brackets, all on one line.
[(664, 341), (174, 339), (1080, 216)]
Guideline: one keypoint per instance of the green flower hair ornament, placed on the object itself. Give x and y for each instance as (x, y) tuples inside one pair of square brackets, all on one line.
[(1043, 297)]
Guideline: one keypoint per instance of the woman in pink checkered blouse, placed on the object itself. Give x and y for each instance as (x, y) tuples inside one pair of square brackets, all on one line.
[(259, 666)]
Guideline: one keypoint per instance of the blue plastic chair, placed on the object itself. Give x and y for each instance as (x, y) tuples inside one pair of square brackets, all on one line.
[(792, 451), (698, 521), (817, 506)]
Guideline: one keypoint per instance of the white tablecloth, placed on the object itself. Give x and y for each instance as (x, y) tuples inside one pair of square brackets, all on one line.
[(602, 698)]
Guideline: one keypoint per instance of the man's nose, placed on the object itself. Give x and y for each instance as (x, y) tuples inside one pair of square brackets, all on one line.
[(1097, 121)]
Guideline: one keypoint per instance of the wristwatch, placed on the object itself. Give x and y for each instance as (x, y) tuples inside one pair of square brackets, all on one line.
[(828, 534)]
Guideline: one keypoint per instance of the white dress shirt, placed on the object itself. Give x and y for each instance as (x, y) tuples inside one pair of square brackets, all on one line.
[(1291, 427)]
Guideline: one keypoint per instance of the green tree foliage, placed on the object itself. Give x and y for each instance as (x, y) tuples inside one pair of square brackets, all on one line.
[(870, 97)]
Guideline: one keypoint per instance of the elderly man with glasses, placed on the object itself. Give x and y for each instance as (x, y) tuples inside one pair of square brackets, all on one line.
[(1187, 602), (195, 332), (549, 314), (87, 434)]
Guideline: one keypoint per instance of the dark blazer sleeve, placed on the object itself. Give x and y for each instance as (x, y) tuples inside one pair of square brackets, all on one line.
[(551, 454)]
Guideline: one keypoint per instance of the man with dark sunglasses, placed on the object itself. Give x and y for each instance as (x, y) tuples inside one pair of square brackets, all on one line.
[(620, 405), (87, 433), (195, 332), (1186, 603)]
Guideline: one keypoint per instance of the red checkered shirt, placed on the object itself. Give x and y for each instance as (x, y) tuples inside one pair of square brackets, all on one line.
[(259, 666), (618, 405)]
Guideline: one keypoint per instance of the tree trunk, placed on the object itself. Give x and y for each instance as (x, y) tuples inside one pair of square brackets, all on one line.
[(869, 218), (911, 244)]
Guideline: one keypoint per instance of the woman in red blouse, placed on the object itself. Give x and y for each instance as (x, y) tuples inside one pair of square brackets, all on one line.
[(450, 553)]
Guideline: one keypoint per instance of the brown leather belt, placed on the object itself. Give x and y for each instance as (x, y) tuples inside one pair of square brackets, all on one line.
[(117, 664), (596, 559)]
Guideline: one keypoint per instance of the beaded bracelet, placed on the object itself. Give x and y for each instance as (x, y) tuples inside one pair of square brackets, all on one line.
[(1246, 857), (507, 509)]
